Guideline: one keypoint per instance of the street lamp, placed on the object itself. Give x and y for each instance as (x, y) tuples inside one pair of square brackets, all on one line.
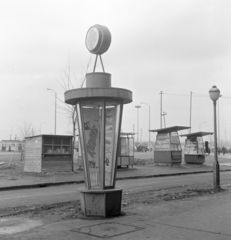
[(138, 106), (214, 94), (55, 107), (40, 127), (200, 125), (218, 122), (149, 144)]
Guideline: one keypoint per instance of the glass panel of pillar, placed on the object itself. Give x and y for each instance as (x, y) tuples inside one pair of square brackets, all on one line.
[(99, 126)]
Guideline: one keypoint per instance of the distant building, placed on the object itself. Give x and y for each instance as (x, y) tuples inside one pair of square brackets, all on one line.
[(11, 145)]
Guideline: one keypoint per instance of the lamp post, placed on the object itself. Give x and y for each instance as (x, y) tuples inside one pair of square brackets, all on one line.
[(55, 107), (218, 121), (138, 106), (11, 131), (214, 94), (200, 125), (149, 143), (40, 127)]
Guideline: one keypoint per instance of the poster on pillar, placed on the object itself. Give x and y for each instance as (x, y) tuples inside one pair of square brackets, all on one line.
[(109, 141), (92, 132)]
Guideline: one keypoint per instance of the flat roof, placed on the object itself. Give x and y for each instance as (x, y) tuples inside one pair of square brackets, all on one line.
[(48, 135), (127, 133), (169, 129), (197, 134)]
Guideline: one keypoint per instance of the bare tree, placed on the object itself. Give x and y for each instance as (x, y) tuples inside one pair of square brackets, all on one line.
[(68, 83), (26, 130)]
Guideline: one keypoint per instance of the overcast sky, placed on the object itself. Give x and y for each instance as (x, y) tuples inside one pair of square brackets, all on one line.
[(173, 46)]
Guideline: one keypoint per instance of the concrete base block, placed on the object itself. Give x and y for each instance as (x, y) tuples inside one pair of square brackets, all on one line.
[(194, 159), (167, 164), (103, 203)]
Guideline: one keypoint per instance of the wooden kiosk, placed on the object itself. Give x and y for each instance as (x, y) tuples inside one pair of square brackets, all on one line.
[(168, 149), (194, 151), (126, 150), (48, 153)]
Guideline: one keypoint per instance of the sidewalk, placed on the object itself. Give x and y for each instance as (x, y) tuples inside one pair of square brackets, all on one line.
[(14, 178)]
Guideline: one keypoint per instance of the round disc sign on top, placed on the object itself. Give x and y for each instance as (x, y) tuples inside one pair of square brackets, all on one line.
[(98, 39)]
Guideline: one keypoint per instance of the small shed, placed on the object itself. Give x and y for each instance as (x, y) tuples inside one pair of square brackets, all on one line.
[(126, 149), (167, 150), (48, 153), (194, 150)]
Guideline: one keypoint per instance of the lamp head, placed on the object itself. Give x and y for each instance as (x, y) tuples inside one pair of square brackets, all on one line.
[(214, 93), (138, 106)]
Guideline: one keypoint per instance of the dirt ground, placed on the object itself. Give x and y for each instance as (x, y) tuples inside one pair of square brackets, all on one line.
[(72, 210), (11, 163)]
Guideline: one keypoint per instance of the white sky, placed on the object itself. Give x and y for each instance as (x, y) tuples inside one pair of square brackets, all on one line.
[(174, 46)]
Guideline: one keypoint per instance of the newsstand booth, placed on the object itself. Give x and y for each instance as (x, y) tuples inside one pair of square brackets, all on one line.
[(126, 149), (194, 151), (168, 149)]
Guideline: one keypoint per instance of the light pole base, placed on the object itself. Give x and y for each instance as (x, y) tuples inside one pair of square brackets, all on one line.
[(216, 175), (101, 203)]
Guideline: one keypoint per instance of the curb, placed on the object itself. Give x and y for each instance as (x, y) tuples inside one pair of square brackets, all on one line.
[(41, 185)]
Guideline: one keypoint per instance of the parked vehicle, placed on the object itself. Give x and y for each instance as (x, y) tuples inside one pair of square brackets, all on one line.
[(141, 149)]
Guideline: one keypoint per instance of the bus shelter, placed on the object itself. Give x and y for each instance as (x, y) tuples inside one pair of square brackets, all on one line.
[(195, 149), (126, 149), (168, 149)]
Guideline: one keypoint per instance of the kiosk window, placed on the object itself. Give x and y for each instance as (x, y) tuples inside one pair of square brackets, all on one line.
[(200, 145), (131, 146), (124, 146), (175, 142), (190, 147), (162, 142)]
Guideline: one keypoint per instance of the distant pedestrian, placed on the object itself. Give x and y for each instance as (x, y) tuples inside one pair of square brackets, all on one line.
[(223, 150), (218, 151)]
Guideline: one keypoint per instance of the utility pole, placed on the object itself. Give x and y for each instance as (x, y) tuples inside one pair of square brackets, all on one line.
[(141, 134), (164, 113), (161, 109), (190, 118)]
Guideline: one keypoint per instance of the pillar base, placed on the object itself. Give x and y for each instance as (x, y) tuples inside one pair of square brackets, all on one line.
[(101, 203)]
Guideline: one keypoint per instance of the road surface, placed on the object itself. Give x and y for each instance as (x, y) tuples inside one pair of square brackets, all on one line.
[(49, 195)]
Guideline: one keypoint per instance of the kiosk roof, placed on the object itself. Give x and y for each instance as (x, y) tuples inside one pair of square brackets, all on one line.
[(127, 133), (169, 129), (197, 134)]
